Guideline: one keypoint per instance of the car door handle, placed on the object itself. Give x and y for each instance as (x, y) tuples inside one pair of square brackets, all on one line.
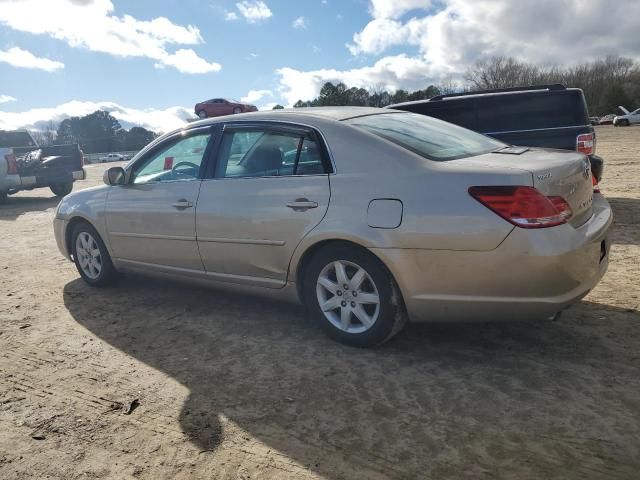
[(302, 204), (180, 204)]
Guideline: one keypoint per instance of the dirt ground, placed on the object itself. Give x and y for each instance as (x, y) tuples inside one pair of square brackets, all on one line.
[(233, 387)]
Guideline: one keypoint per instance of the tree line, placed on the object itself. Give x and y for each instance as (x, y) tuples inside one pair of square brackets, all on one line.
[(96, 133), (607, 83)]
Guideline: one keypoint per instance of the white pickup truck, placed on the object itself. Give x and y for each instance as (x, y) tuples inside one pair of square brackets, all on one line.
[(629, 118), (24, 165)]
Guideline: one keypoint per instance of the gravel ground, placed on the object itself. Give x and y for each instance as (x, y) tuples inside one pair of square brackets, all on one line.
[(160, 380)]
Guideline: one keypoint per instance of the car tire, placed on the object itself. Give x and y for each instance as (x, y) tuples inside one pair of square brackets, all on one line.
[(3, 197), (344, 324), (202, 114), (237, 110), (61, 189), (91, 257), (624, 122)]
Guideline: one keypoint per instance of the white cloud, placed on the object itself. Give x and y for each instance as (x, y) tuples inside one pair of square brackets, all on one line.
[(400, 71), (231, 16), (396, 8), (7, 98), (453, 34), (187, 61), (18, 57), (158, 120), (255, 95), (254, 10), (93, 26), (300, 23)]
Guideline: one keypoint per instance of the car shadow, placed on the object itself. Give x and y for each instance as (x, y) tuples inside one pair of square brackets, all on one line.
[(626, 213), (16, 206), (439, 401)]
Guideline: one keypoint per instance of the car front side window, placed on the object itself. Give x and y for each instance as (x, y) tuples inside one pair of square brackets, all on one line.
[(178, 161)]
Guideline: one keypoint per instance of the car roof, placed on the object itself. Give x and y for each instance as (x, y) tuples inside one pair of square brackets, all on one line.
[(498, 92), (297, 115)]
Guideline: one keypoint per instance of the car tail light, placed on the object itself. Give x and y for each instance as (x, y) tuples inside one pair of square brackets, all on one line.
[(12, 165), (524, 207), (586, 143), (594, 182)]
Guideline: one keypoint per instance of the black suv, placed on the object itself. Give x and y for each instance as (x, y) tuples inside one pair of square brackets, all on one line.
[(549, 116)]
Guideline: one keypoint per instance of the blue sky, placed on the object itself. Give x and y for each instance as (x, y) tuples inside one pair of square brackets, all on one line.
[(150, 61)]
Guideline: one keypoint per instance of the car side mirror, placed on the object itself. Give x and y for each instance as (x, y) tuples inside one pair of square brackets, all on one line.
[(115, 176)]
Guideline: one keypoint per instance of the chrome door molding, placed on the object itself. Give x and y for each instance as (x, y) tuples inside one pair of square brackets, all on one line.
[(153, 236), (243, 241)]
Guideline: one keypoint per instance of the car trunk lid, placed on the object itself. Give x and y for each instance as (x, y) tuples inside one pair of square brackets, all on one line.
[(554, 173)]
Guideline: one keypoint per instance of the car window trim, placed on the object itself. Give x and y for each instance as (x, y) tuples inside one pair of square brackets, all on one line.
[(173, 139), (274, 126)]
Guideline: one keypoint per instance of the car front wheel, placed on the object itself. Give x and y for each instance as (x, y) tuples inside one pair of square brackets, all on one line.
[(202, 114), (91, 256), (237, 110), (353, 297)]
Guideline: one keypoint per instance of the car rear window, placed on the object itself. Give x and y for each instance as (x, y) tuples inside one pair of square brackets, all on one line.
[(15, 139), (428, 137)]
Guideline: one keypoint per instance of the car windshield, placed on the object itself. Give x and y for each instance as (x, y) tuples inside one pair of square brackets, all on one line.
[(426, 136)]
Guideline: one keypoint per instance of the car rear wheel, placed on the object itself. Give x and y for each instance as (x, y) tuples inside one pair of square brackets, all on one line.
[(61, 189), (353, 297), (3, 196), (91, 257), (202, 114), (237, 110)]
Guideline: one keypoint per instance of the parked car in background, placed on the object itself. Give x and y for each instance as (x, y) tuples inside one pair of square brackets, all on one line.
[(550, 116), (629, 118), (114, 157), (594, 120), (216, 107), (607, 119), (368, 216), (24, 165)]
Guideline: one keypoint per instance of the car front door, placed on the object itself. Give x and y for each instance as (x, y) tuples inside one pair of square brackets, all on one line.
[(151, 219), (269, 188)]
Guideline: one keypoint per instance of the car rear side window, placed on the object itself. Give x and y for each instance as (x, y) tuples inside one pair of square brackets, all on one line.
[(428, 137), (267, 153)]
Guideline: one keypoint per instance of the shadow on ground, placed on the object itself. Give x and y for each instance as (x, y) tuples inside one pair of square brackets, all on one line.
[(19, 205), (530, 400)]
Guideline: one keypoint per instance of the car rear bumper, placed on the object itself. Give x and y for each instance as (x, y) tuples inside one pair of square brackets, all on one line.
[(41, 178), (532, 275)]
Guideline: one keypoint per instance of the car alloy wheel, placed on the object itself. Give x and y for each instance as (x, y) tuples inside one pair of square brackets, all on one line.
[(348, 296), (202, 114), (89, 256)]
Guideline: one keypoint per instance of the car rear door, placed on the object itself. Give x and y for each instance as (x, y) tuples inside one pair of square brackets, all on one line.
[(151, 219), (269, 187)]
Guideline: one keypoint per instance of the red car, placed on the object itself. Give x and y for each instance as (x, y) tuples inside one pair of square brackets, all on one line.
[(217, 107)]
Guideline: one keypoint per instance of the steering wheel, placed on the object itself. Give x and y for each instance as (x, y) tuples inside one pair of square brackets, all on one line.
[(195, 167)]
